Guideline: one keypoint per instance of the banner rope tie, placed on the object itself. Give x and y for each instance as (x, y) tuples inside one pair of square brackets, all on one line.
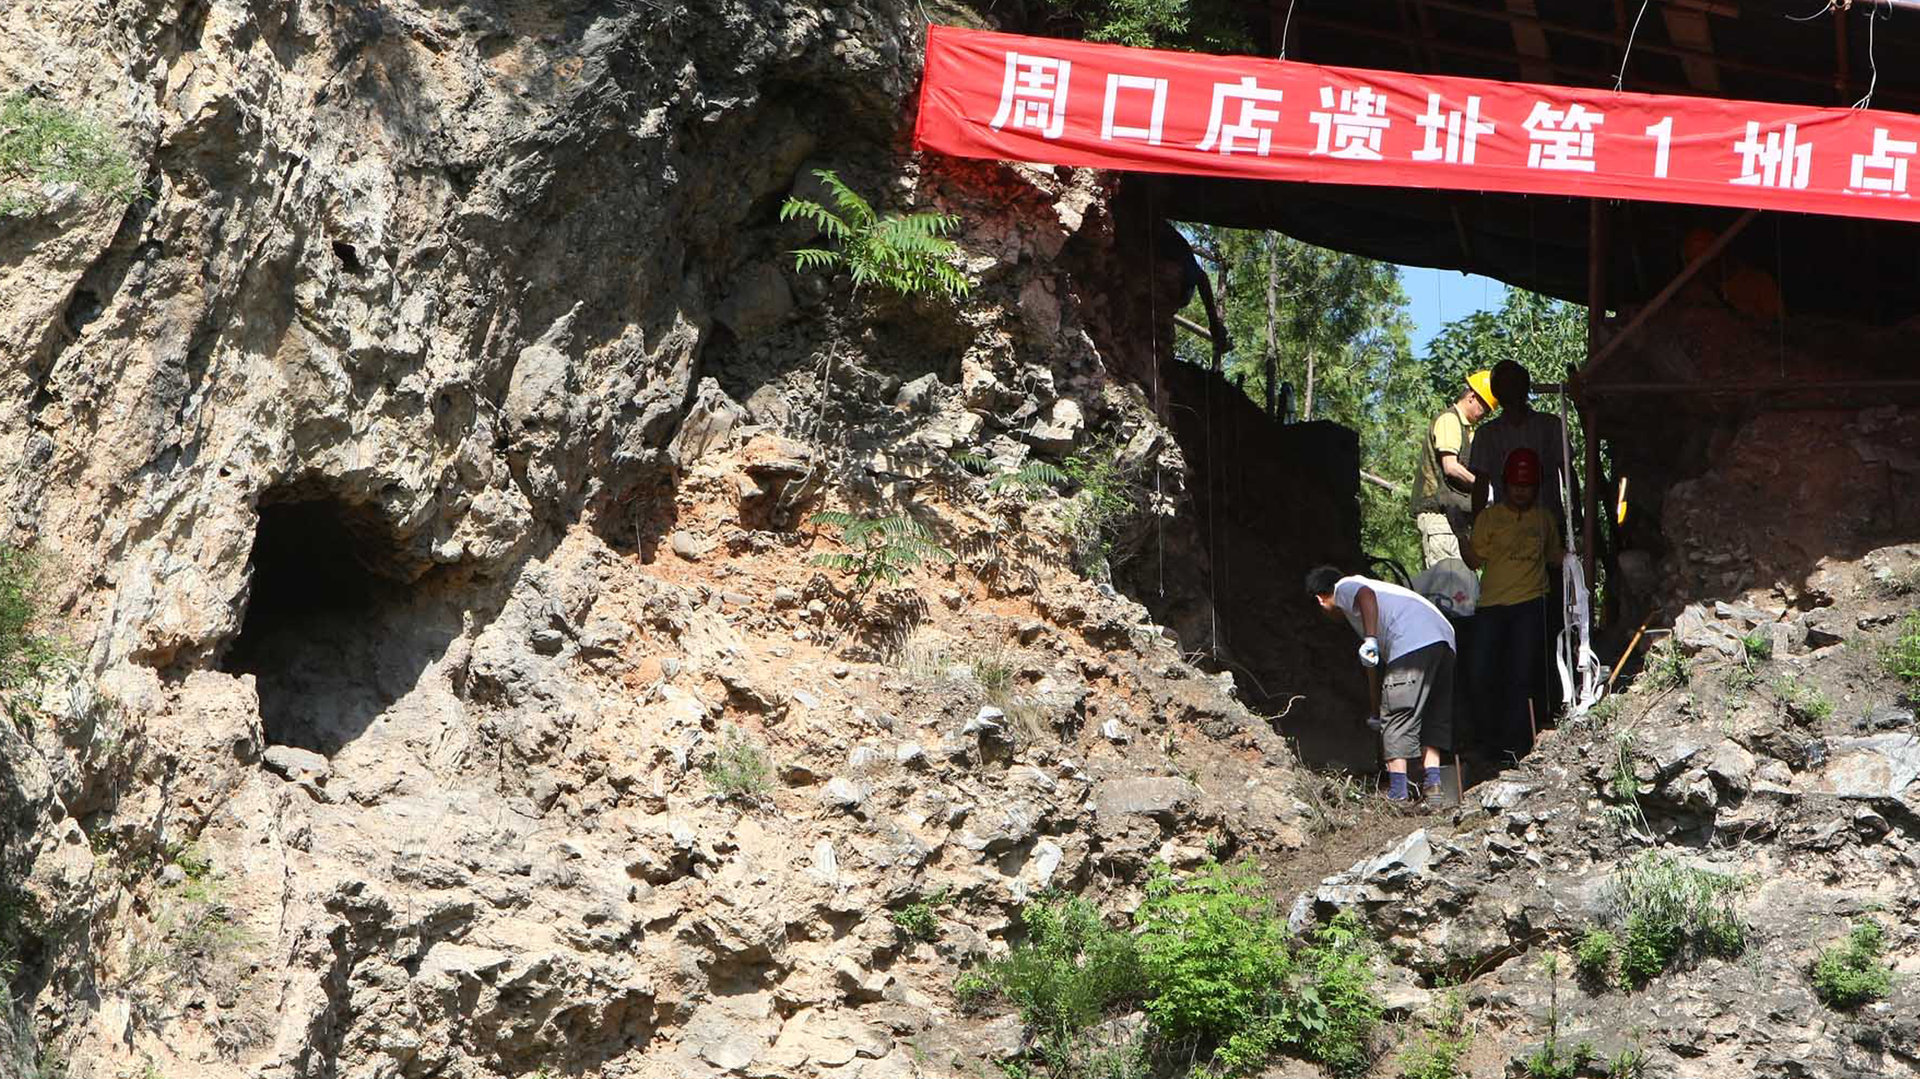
[(1286, 28), (1873, 61), (1620, 79)]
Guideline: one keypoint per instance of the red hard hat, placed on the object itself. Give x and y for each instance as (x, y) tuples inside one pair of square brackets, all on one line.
[(1523, 466)]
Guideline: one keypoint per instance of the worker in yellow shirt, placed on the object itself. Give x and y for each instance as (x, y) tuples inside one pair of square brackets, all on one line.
[(1442, 485), (1514, 541)]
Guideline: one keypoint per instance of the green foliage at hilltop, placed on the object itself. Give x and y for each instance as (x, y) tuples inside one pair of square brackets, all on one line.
[(42, 143)]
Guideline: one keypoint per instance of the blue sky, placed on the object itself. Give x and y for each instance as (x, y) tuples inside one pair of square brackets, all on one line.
[(1440, 296)]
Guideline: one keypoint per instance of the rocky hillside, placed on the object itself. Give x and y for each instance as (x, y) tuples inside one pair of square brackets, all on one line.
[(1767, 760), (420, 475), (457, 677)]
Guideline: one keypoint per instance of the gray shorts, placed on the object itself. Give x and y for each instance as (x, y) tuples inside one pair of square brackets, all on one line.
[(1416, 701)]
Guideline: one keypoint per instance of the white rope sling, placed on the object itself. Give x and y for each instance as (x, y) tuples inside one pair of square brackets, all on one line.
[(1581, 683)]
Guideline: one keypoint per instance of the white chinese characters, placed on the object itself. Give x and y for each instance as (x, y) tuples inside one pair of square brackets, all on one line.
[(1156, 109), (1562, 139), (1033, 94), (1354, 129), (1779, 160), (1254, 125), (1451, 133), (1884, 171)]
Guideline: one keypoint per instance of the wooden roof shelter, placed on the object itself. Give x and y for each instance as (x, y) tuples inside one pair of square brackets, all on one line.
[(1792, 51)]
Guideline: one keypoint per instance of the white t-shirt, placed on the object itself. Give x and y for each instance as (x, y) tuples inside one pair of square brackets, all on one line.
[(1408, 622)]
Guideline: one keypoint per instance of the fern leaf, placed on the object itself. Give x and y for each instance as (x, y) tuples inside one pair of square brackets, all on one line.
[(902, 526), (837, 560), (926, 224), (858, 211), (1044, 472), (834, 519), (973, 461), (813, 258), (951, 280), (819, 216)]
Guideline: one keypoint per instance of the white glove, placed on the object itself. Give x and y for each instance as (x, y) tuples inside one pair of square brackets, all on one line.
[(1370, 652)]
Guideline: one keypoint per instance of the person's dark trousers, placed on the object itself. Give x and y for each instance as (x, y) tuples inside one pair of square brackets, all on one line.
[(1508, 649)]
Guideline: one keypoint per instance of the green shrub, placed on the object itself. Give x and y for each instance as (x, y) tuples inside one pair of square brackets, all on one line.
[(1803, 699), (26, 654), (42, 143), (1756, 647), (1216, 957), (1622, 790), (1596, 955), (1103, 497), (1854, 971), (994, 672), (921, 919), (197, 939), (1667, 666), (1665, 909), (1901, 659), (1628, 1063), (882, 548), (1553, 1060), (1069, 971), (1436, 1052), (1604, 713), (1342, 1008), (1220, 968), (738, 768)]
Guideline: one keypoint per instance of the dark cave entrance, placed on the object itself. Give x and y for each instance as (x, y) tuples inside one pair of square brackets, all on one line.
[(329, 633)]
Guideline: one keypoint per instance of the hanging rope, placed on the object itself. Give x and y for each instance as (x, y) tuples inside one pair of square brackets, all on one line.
[(1286, 29), (1620, 79), (1159, 406), (1873, 62), (1215, 488)]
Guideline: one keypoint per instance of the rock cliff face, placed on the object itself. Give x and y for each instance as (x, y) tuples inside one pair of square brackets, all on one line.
[(422, 476), (418, 473)]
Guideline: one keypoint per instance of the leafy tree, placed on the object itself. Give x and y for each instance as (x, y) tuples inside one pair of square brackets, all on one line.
[(1216, 26), (904, 253), (1546, 336), (42, 143), (1330, 332), (1336, 338)]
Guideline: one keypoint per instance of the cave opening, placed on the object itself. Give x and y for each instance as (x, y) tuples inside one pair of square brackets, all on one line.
[(327, 633)]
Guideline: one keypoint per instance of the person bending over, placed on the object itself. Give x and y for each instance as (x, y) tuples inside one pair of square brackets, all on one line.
[(1513, 543), (1407, 646)]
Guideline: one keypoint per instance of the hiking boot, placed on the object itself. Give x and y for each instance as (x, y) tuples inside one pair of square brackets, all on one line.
[(1406, 807)]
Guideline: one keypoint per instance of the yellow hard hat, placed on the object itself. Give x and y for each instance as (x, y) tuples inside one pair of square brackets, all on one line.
[(1481, 382)]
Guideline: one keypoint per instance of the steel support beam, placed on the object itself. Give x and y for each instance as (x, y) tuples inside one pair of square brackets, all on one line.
[(1596, 312), (1756, 387), (1596, 357)]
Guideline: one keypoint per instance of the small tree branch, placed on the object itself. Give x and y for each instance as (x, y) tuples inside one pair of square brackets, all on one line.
[(1382, 481)]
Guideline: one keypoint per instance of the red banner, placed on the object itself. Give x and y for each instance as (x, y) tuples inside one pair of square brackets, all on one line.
[(1009, 97)]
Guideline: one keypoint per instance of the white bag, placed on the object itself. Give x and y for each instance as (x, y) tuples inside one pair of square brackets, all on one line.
[(1449, 585)]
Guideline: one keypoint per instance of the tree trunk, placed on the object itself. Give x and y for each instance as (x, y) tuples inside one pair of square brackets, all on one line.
[(1306, 411), (1273, 348)]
